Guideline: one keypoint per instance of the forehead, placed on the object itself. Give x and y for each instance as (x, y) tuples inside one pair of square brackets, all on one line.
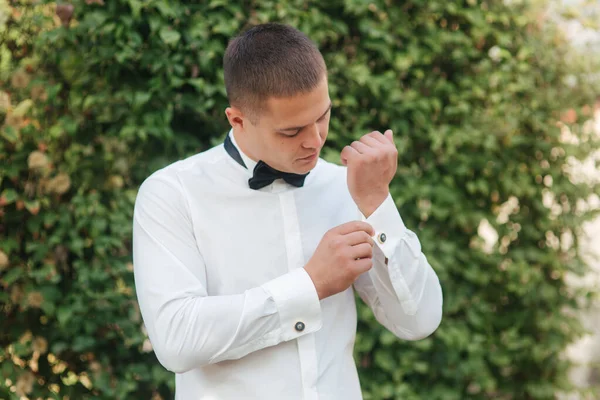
[(298, 110)]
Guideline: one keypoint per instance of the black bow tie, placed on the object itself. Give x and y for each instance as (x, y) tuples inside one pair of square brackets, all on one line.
[(263, 174)]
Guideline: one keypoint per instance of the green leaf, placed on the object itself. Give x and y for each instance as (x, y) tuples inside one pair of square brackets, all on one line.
[(63, 314), (32, 206), (9, 196), (82, 343), (13, 275), (23, 108), (136, 7), (169, 36), (9, 133)]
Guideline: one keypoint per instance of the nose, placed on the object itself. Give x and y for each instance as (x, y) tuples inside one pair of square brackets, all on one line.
[(313, 138)]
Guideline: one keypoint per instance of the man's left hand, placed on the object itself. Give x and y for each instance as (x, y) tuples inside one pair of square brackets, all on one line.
[(372, 162)]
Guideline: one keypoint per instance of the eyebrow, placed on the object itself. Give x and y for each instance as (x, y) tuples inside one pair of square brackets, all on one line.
[(297, 128)]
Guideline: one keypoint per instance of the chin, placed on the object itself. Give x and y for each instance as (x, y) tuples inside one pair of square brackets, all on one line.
[(302, 171), (305, 168)]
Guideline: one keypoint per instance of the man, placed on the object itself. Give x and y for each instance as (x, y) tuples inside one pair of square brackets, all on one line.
[(245, 255)]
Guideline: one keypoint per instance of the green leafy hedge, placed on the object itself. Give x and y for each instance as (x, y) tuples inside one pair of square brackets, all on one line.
[(98, 94)]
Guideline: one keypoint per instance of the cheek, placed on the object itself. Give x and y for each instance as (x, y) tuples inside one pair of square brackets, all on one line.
[(291, 148), (284, 148)]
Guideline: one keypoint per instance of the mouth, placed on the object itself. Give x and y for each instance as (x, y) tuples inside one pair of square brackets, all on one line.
[(309, 158)]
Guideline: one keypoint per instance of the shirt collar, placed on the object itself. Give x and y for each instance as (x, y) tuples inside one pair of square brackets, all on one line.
[(250, 163)]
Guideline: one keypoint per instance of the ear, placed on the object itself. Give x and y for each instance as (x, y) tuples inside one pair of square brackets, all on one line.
[(236, 117)]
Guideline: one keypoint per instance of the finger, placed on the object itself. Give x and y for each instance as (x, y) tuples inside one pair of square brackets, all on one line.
[(378, 136), (373, 142), (347, 154), (359, 237), (363, 250), (363, 265), (355, 226), (361, 147), (389, 135)]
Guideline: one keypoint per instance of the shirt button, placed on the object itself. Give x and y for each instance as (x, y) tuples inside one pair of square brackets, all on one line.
[(299, 326), (382, 238)]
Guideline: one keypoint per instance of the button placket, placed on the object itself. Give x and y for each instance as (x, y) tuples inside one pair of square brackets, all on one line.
[(306, 343)]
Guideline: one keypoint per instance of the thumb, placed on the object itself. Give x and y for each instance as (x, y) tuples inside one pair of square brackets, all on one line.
[(389, 135)]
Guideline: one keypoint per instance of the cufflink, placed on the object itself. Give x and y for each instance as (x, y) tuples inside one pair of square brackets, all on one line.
[(382, 238), (299, 326)]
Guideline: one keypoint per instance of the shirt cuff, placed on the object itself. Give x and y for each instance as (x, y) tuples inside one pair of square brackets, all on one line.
[(388, 225), (297, 302)]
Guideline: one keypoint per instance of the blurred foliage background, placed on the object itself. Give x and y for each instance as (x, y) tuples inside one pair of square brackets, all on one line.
[(488, 102)]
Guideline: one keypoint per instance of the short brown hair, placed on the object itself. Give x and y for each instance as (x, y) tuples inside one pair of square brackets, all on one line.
[(270, 60)]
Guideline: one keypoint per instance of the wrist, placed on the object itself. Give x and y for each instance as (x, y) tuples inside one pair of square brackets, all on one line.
[(371, 202), (318, 286)]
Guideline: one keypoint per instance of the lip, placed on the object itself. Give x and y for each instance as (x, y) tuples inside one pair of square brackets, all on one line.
[(309, 158)]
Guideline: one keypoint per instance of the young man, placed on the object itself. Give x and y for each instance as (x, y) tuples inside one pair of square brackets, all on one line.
[(245, 255)]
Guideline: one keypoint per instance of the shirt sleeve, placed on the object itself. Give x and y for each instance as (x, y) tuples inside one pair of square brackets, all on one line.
[(402, 288), (187, 327)]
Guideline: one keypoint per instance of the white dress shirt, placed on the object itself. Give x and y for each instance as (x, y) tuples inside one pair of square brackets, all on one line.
[(224, 296)]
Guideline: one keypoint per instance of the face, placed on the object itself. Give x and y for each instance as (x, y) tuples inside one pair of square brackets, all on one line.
[(290, 132)]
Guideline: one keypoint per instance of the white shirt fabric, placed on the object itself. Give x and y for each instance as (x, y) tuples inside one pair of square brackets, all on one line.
[(221, 286)]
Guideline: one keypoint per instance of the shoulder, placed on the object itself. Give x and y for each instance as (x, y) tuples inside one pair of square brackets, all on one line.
[(170, 182)]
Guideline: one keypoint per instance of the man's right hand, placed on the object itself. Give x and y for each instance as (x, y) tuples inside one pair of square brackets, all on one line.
[(344, 253)]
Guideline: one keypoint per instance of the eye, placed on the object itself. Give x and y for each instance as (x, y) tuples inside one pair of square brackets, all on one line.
[(295, 133)]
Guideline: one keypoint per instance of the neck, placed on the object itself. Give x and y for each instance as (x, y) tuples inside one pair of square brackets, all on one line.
[(240, 140)]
